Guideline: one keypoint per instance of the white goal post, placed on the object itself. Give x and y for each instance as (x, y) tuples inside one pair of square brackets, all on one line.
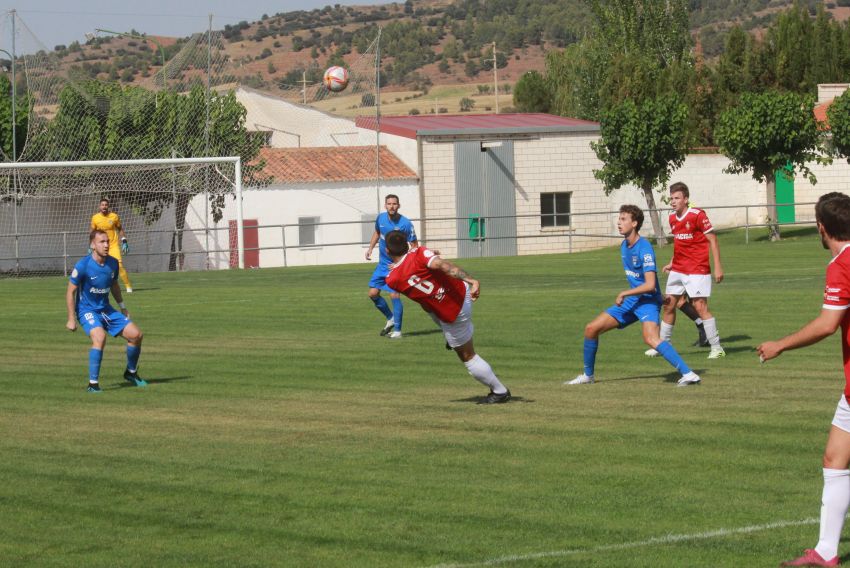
[(46, 209)]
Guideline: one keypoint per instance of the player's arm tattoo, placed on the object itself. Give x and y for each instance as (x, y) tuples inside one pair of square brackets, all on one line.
[(454, 271)]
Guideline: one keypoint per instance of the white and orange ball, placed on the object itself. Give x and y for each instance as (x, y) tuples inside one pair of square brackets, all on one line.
[(336, 78)]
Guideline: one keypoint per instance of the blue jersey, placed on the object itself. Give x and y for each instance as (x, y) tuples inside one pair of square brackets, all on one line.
[(383, 225), (93, 283), (639, 259)]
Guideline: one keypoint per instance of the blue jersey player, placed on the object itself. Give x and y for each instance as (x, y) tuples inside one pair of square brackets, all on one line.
[(642, 301), (87, 298), (392, 220)]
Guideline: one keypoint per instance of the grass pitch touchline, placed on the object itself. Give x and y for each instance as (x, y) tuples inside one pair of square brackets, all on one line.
[(662, 540)]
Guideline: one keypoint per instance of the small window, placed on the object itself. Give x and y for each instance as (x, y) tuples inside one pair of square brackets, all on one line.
[(555, 209), (307, 230), (368, 228)]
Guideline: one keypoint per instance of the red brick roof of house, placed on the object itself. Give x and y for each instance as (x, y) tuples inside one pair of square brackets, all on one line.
[(820, 114), (331, 164)]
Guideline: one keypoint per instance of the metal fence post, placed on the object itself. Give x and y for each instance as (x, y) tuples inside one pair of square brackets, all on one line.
[(65, 252), (747, 224), (283, 242)]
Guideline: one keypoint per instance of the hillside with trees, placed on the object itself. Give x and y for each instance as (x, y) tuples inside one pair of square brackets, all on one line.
[(424, 43)]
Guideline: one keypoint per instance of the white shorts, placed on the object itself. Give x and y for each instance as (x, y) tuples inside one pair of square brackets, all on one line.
[(696, 285), (842, 415), (459, 331)]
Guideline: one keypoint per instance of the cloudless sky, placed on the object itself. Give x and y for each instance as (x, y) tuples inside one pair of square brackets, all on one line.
[(56, 22)]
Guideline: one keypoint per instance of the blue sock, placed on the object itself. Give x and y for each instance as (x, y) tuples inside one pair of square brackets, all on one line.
[(590, 347), (398, 313), (672, 356), (95, 357), (381, 304), (133, 357)]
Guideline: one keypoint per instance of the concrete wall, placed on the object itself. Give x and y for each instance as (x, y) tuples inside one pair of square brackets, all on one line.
[(346, 204), (294, 126), (565, 162)]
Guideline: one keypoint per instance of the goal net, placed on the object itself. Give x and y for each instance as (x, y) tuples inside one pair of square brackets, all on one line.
[(178, 214)]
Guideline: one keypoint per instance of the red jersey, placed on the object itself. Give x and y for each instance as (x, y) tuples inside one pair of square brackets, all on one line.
[(836, 296), (690, 247), (434, 290)]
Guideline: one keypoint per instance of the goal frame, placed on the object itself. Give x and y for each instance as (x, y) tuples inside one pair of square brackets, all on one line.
[(237, 182)]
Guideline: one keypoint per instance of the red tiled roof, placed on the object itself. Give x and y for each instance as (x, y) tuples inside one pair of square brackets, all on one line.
[(331, 164), (409, 126), (820, 114)]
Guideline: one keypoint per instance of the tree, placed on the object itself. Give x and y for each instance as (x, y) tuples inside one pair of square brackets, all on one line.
[(22, 116), (532, 93), (642, 144), (98, 121), (766, 133), (632, 44), (838, 114), (466, 104)]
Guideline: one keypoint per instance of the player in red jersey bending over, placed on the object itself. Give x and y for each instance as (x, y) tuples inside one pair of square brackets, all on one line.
[(690, 271), (446, 292), (832, 213)]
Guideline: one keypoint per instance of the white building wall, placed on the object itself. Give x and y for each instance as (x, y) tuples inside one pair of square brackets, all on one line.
[(340, 210), (438, 175), (294, 126), (403, 148), (565, 162)]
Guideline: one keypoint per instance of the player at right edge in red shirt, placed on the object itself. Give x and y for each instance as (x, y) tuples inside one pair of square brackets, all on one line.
[(832, 214), (446, 292)]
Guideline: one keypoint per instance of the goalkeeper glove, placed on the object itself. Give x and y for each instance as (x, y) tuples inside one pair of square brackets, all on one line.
[(125, 246)]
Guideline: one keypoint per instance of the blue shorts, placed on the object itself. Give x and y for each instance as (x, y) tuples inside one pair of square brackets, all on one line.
[(110, 319), (379, 279), (634, 310)]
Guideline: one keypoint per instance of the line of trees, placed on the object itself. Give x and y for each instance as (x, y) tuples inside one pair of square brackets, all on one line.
[(638, 73), (107, 121)]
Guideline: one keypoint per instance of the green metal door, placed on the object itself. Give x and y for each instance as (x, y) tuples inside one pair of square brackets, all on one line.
[(785, 195)]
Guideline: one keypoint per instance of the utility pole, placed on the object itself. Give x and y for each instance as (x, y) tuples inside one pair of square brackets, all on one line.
[(495, 78), (14, 14), (304, 86)]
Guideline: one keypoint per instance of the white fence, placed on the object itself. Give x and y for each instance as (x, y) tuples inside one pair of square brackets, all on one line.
[(286, 238)]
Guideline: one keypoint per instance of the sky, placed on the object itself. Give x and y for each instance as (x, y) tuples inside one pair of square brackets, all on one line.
[(60, 22)]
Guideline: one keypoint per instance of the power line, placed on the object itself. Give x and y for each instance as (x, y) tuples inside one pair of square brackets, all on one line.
[(131, 14)]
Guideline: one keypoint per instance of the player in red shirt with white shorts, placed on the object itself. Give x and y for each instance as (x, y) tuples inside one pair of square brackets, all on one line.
[(832, 213), (690, 271), (446, 292)]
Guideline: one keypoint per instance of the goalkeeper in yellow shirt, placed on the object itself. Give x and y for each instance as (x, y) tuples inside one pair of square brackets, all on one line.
[(110, 223)]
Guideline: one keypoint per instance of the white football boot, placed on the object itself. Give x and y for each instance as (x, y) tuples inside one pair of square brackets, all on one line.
[(582, 379)]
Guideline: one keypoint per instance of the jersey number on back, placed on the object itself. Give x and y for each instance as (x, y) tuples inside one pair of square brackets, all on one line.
[(420, 284)]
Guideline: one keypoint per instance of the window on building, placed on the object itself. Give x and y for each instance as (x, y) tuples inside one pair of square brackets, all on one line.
[(368, 227), (307, 231), (555, 209)]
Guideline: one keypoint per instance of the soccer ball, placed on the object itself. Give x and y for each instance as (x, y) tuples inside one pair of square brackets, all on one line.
[(336, 78)]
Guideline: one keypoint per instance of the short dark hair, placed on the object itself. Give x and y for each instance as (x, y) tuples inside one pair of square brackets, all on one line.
[(680, 187), (94, 233), (635, 212), (396, 243), (102, 199), (392, 196), (832, 211)]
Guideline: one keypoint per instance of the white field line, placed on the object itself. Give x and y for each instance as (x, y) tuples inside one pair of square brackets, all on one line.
[(659, 540)]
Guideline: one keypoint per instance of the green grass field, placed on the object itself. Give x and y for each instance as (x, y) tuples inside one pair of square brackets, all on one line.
[(279, 429)]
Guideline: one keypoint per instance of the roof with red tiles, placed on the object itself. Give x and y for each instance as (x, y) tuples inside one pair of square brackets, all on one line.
[(820, 114), (452, 124), (331, 164)]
